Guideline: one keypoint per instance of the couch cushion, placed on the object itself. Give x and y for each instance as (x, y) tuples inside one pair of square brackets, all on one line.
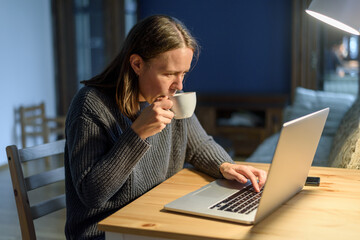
[(307, 101), (345, 150), (264, 153)]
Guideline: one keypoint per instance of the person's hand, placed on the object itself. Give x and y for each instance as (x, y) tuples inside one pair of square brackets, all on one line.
[(154, 118), (242, 173)]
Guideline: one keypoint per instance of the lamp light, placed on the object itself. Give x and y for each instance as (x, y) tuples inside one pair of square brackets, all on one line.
[(342, 14)]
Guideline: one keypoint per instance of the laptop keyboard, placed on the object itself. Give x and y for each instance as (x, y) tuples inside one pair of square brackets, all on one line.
[(243, 201)]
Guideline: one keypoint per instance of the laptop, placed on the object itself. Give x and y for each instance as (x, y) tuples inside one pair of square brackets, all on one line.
[(233, 201)]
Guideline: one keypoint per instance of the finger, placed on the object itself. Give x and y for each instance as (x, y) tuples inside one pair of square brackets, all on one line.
[(169, 115), (230, 173), (164, 116), (158, 99), (162, 126), (238, 177), (165, 120), (250, 175), (260, 174), (164, 103), (255, 183), (262, 178)]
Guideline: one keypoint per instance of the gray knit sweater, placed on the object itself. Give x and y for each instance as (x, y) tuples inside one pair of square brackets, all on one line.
[(107, 165)]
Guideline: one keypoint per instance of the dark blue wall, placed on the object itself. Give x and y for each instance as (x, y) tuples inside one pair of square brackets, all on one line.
[(246, 45)]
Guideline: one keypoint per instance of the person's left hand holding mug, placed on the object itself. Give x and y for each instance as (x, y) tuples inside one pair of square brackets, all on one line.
[(154, 118)]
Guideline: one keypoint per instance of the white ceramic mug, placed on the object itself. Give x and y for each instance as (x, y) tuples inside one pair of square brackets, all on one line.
[(184, 104)]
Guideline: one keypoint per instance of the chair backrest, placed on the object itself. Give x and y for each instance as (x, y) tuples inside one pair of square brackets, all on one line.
[(27, 212), (34, 123)]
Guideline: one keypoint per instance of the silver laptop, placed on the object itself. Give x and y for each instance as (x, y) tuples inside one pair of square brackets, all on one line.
[(234, 201)]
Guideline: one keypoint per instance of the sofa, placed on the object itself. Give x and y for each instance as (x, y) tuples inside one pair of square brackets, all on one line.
[(339, 145)]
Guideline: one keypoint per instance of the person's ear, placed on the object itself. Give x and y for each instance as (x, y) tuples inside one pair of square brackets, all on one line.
[(136, 63)]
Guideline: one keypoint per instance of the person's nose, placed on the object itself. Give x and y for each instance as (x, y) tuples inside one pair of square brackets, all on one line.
[(178, 82)]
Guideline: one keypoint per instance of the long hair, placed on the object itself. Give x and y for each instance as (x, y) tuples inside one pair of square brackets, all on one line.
[(148, 38)]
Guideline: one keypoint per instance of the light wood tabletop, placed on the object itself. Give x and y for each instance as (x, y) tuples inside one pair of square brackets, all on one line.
[(330, 211)]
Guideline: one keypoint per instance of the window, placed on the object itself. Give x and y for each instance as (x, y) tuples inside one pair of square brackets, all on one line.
[(340, 62), (90, 31), (87, 35)]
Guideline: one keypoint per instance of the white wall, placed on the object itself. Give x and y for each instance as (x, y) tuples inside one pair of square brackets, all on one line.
[(26, 63)]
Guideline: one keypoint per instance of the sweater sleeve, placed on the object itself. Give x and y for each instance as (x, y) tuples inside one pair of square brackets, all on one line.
[(100, 164), (202, 151)]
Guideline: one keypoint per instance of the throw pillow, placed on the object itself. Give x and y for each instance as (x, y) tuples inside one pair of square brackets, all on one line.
[(345, 150), (307, 101)]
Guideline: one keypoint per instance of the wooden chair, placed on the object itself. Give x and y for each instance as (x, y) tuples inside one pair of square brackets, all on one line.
[(22, 185), (34, 123)]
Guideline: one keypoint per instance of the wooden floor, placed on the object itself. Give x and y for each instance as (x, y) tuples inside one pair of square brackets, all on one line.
[(49, 227)]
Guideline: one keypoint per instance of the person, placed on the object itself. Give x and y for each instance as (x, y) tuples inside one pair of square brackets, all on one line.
[(334, 57), (121, 138)]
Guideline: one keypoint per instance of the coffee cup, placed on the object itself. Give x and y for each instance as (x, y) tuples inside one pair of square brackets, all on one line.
[(184, 104)]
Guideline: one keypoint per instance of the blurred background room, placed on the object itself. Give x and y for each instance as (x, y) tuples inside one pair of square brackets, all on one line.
[(254, 56)]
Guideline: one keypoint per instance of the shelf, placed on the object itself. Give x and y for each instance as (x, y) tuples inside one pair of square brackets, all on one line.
[(267, 110)]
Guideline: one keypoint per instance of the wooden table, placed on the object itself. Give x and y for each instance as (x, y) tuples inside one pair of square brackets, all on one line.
[(331, 211)]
